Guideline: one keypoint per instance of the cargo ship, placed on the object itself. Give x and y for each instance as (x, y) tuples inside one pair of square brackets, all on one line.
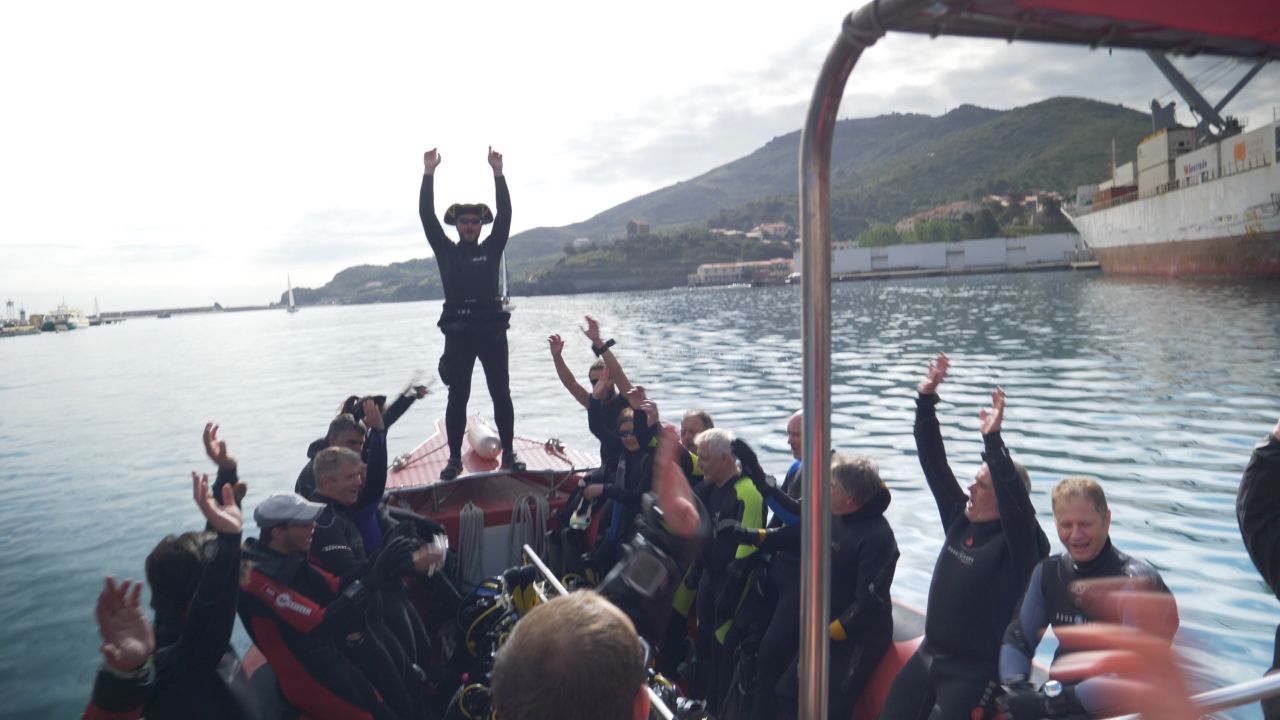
[(1182, 210)]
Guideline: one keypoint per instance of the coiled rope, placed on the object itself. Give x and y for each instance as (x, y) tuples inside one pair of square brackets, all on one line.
[(470, 543), (528, 527)]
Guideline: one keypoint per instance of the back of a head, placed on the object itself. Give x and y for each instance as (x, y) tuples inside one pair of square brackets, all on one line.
[(575, 657), (703, 416), (173, 571), (857, 475)]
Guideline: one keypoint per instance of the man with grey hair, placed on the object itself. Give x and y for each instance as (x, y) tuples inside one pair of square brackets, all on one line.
[(596, 671), (730, 497), (863, 559)]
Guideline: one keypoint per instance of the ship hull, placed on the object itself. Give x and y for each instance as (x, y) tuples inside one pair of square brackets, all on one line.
[(1228, 227)]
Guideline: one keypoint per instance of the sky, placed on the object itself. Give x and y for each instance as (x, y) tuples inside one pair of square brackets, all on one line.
[(161, 154)]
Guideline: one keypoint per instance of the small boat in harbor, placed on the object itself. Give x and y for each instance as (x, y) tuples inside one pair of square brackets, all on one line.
[(64, 318)]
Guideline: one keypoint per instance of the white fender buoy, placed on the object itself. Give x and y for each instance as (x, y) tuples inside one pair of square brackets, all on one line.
[(484, 439)]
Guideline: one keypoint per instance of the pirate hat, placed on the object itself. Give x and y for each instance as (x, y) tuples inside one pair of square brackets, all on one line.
[(456, 209)]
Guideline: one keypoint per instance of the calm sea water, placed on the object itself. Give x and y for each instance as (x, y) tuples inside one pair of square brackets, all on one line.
[(1158, 389)]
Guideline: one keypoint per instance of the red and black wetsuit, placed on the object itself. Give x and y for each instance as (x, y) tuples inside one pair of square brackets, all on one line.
[(299, 617), (473, 321), (980, 576)]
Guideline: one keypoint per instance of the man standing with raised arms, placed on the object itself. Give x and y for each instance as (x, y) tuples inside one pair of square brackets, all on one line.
[(992, 544), (473, 321)]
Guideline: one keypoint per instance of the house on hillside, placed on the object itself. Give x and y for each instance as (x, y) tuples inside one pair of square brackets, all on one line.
[(950, 211), (637, 228)]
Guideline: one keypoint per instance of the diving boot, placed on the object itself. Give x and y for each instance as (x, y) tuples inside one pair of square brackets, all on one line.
[(451, 469), (510, 461)]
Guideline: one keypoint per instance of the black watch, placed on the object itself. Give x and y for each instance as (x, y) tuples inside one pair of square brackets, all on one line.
[(603, 348)]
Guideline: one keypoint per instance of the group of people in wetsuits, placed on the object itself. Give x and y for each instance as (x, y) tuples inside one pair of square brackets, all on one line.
[(320, 590), (995, 588)]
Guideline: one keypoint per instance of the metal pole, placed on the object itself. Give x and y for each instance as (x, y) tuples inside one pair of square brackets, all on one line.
[(1231, 696), (860, 31)]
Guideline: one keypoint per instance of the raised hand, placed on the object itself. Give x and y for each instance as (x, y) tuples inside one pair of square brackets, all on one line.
[(556, 344), (934, 376), (636, 397), (430, 161), (227, 519), (495, 161), (127, 638), (993, 418), (650, 409), (592, 331), (372, 415), (421, 391), (217, 449)]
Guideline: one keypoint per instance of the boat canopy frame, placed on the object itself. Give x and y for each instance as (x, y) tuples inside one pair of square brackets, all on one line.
[(1181, 27)]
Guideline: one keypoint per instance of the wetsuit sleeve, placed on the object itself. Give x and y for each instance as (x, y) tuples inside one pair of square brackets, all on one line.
[(877, 562), (946, 491), (440, 243), (595, 417), (303, 613), (396, 409), (1026, 541), (497, 240), (375, 482), (783, 539), (206, 634), (224, 478), (1025, 631), (1258, 510), (116, 698)]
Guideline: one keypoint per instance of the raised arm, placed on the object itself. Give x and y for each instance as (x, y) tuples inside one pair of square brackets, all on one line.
[(427, 205), (375, 445), (497, 240), (602, 350), (947, 493), (206, 633), (1026, 541), (570, 383)]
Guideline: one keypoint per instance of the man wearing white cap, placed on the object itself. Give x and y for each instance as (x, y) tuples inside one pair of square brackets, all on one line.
[(299, 616)]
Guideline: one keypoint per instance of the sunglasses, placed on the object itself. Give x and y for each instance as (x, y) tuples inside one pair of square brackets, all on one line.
[(468, 221), (626, 433)]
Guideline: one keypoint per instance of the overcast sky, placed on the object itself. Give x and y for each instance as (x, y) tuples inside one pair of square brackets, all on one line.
[(169, 154)]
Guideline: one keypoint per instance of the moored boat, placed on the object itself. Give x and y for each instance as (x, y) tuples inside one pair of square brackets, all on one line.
[(1212, 211)]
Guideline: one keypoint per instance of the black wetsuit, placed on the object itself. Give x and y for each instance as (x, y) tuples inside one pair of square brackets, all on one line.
[(300, 617), (1258, 512), (863, 557), (632, 480), (602, 421), (737, 500), (981, 573), (473, 321), (339, 547), (1049, 600), (196, 673)]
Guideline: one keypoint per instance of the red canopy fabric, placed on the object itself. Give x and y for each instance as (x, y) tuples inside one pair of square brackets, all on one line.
[(1240, 28)]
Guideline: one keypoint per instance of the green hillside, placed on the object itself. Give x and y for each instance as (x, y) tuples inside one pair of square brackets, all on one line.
[(883, 169)]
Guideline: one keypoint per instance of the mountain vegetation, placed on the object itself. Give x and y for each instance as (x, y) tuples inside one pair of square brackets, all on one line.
[(883, 169)]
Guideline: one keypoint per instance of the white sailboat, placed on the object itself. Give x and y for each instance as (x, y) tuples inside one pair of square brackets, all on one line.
[(293, 308), (507, 305)]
